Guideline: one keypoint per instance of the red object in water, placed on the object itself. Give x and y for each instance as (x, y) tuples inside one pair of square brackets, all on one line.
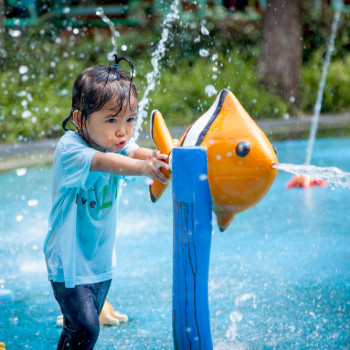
[(304, 181)]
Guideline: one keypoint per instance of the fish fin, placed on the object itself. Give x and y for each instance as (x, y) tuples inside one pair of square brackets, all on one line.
[(196, 132), (224, 216), (164, 143)]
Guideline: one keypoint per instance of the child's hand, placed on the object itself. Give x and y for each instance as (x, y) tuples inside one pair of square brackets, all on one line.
[(160, 156), (152, 167)]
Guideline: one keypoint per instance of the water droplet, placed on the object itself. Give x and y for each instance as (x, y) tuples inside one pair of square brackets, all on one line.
[(210, 90), (149, 181), (63, 92), (23, 69), (14, 33), (21, 171), (203, 53), (33, 202), (26, 114), (204, 30)]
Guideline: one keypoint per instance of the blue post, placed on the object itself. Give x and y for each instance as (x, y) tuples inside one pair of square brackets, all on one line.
[(192, 239)]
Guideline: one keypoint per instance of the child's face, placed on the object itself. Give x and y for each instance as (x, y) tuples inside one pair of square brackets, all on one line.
[(111, 132)]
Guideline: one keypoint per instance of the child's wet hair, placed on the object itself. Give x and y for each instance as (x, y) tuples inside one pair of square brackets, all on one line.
[(97, 85)]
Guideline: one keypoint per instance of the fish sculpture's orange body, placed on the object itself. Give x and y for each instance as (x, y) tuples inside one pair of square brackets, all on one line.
[(240, 157)]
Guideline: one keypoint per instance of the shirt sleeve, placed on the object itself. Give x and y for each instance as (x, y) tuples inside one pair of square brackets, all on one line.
[(76, 160)]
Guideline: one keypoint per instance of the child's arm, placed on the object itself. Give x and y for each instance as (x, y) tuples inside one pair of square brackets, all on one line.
[(123, 165), (147, 153)]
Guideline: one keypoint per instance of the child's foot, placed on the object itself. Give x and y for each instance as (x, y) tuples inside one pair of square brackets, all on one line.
[(109, 317)]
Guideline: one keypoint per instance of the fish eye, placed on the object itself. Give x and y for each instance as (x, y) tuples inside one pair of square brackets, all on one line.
[(274, 148), (243, 148)]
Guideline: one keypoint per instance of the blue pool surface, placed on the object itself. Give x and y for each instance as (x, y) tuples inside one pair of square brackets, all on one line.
[(279, 275)]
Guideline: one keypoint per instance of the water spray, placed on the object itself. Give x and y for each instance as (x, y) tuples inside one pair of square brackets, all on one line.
[(114, 33), (303, 180), (157, 55), (318, 105)]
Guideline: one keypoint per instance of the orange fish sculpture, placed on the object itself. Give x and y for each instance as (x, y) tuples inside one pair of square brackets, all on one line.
[(240, 157)]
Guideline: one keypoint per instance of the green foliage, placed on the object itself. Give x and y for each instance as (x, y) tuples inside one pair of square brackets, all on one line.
[(181, 95), (336, 96), (38, 74)]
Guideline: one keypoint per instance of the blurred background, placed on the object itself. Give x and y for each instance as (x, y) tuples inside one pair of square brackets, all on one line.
[(269, 53)]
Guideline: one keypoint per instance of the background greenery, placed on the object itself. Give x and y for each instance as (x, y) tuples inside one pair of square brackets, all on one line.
[(40, 66)]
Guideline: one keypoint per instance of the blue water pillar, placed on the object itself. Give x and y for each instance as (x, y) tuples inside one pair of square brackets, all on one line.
[(192, 239)]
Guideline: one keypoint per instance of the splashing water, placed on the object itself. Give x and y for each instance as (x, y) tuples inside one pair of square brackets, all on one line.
[(114, 33), (317, 108), (332, 175), (157, 55)]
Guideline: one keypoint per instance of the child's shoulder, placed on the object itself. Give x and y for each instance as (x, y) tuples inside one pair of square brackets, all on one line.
[(69, 139), (70, 145)]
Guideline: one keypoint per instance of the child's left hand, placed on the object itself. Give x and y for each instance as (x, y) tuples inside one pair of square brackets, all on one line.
[(158, 155)]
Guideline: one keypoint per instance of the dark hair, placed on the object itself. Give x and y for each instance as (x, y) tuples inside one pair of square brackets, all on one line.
[(96, 85)]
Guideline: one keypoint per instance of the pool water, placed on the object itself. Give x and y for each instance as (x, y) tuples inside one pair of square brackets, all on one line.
[(279, 275)]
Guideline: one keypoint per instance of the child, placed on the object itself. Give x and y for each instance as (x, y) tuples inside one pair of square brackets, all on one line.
[(79, 247)]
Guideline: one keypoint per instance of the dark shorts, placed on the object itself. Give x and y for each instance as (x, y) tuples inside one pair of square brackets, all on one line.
[(81, 307)]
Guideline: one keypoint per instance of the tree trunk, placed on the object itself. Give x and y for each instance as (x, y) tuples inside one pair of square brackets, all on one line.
[(280, 59)]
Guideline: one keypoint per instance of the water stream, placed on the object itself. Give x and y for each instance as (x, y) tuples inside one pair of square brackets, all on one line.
[(157, 55), (114, 33), (317, 108), (332, 175)]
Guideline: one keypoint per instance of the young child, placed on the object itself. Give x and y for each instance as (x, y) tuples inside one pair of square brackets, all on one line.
[(79, 247)]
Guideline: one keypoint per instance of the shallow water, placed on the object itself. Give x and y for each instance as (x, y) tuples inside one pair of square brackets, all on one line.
[(279, 275)]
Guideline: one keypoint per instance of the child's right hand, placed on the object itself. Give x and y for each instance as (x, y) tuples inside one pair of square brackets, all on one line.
[(152, 167)]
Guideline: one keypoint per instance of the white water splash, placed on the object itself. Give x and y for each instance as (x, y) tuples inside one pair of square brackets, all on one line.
[(332, 175), (244, 297), (157, 55), (317, 108), (210, 90), (203, 53), (236, 316), (114, 33)]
